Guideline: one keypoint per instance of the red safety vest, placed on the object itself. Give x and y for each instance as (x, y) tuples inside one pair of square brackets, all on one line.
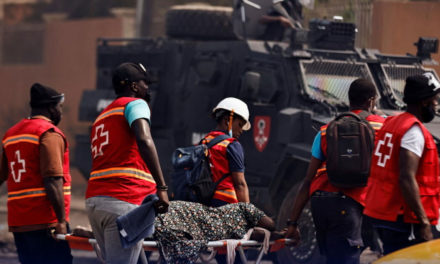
[(321, 182), (27, 201), (225, 191), (118, 169), (384, 198)]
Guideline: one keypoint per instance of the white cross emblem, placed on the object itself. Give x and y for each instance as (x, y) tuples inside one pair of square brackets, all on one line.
[(102, 134), (17, 178), (386, 142)]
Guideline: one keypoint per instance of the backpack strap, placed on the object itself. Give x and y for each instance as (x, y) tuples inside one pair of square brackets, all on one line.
[(220, 180), (362, 115), (211, 144), (217, 140), (342, 115)]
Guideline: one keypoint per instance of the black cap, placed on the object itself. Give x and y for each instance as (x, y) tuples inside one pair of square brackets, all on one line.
[(42, 95), (130, 72), (420, 87)]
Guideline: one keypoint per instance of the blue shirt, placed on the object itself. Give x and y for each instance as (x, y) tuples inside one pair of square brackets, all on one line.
[(235, 155), (137, 109), (316, 148)]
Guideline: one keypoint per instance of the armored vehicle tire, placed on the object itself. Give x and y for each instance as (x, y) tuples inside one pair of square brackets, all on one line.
[(307, 252), (203, 22)]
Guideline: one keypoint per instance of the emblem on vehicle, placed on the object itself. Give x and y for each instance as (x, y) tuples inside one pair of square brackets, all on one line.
[(261, 131)]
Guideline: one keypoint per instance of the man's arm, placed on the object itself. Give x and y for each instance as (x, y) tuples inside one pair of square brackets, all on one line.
[(55, 194), (240, 186), (408, 165), (147, 149), (302, 198), (235, 156), (52, 147), (267, 223)]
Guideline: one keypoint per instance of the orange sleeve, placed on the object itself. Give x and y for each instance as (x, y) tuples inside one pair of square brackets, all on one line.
[(52, 147)]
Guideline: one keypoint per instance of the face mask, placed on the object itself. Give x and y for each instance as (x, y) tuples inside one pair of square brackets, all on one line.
[(428, 113)]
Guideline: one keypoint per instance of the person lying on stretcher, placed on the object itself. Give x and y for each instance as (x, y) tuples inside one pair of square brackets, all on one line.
[(185, 230)]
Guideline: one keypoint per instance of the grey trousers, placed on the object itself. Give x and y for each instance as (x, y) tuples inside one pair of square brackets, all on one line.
[(102, 212)]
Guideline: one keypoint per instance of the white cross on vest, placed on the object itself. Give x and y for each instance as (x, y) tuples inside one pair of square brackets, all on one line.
[(384, 156), (17, 177), (98, 144)]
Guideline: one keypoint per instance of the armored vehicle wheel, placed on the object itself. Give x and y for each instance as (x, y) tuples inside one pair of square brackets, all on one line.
[(200, 21), (307, 251)]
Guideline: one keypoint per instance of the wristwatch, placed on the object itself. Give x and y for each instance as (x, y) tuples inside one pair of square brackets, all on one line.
[(292, 223), (162, 188)]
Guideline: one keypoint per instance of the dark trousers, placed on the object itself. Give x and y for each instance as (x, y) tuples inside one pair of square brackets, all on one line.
[(338, 221), (395, 235), (39, 247), (394, 240)]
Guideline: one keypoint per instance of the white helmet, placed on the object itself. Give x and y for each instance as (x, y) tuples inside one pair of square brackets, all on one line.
[(238, 106)]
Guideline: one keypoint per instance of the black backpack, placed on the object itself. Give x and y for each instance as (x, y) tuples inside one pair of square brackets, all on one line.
[(350, 143), (192, 179)]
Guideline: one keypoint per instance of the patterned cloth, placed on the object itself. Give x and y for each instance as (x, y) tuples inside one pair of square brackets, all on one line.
[(185, 230)]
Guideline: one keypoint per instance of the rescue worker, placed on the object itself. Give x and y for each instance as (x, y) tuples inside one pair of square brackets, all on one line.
[(227, 157), (35, 164), (125, 164), (403, 190), (336, 212)]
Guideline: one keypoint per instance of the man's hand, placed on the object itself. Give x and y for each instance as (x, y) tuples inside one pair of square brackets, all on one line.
[(61, 228), (161, 206), (426, 232), (293, 233)]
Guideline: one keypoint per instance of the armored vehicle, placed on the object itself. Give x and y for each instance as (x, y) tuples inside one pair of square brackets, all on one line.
[(291, 87)]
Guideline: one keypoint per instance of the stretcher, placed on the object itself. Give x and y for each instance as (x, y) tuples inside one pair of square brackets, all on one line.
[(84, 243)]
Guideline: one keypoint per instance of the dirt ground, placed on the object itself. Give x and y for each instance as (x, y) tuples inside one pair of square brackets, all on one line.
[(78, 216)]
